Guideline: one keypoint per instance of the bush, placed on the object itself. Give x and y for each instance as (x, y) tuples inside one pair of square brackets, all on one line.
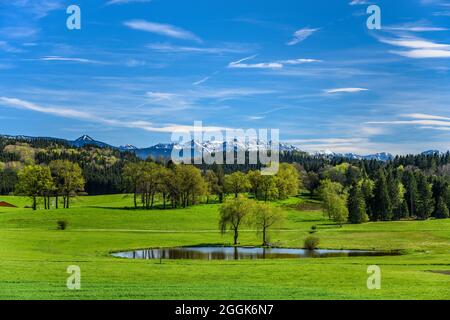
[(313, 230), (311, 242), (62, 224)]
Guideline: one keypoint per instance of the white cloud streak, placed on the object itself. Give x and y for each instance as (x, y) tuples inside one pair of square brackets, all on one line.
[(87, 116), (168, 48), (345, 90), (113, 2), (421, 49), (301, 35), (67, 59), (267, 65), (162, 29)]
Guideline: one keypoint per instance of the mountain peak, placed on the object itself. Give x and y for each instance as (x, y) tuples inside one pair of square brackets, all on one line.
[(84, 137)]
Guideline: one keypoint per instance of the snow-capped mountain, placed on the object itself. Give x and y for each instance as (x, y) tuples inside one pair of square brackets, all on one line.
[(127, 147), (85, 140), (164, 150), (431, 153), (199, 147), (382, 156)]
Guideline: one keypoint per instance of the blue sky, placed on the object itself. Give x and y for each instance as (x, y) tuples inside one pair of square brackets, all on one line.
[(139, 70)]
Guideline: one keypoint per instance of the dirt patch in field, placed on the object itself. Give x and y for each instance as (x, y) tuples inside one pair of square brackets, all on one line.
[(307, 206), (446, 272)]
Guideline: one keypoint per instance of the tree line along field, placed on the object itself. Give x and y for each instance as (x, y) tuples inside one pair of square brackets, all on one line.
[(34, 254)]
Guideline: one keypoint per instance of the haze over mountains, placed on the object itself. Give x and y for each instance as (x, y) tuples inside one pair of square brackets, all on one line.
[(165, 149)]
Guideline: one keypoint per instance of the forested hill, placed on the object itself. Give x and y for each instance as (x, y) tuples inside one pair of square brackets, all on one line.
[(102, 167)]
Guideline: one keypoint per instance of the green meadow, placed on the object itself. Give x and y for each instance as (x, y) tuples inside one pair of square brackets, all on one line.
[(34, 255)]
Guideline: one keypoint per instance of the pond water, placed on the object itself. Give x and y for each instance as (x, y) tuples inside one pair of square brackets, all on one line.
[(239, 253)]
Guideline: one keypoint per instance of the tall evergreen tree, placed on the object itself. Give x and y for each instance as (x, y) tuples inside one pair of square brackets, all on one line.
[(382, 207), (425, 202), (356, 205), (442, 211), (411, 192)]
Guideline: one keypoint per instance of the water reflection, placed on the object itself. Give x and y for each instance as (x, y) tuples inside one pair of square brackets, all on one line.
[(239, 253)]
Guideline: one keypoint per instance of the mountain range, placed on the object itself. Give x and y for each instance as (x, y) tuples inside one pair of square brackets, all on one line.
[(164, 150)]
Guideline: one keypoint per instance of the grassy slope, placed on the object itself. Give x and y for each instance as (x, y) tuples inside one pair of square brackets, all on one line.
[(34, 256)]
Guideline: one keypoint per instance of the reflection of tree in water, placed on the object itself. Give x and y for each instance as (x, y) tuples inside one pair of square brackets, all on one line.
[(239, 253)]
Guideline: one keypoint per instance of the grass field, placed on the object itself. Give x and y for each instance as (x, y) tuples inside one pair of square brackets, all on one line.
[(34, 255)]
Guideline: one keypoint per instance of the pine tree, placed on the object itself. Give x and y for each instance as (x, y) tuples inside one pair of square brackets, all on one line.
[(442, 211), (425, 200), (356, 205), (382, 202), (411, 192)]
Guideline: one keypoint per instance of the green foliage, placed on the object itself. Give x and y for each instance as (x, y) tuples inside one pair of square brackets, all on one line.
[(442, 211), (236, 183), (265, 217), (311, 243), (357, 205), (67, 179), (334, 198), (234, 214), (287, 181), (425, 202), (34, 181), (62, 224), (382, 209)]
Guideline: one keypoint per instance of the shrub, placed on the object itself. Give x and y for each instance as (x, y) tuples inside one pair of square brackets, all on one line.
[(311, 242), (62, 224), (313, 229)]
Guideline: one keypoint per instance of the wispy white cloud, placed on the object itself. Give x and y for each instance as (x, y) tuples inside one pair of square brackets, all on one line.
[(38, 9), (358, 2), (5, 46), (414, 43), (421, 48), (424, 53), (196, 83), (19, 32), (414, 27), (424, 121), (112, 2), (264, 65), (267, 65), (67, 59), (299, 61), (164, 47), (87, 116), (63, 112), (345, 90), (301, 35), (162, 29)]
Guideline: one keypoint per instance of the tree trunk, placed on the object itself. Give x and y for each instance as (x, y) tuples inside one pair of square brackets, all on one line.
[(236, 235), (153, 200), (34, 203), (264, 237), (56, 201), (164, 201)]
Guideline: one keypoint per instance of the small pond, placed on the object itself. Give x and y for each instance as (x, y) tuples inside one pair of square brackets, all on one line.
[(239, 253)]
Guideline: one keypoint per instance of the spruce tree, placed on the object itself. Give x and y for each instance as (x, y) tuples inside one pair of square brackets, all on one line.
[(411, 192), (442, 211), (382, 201), (356, 205), (425, 200)]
